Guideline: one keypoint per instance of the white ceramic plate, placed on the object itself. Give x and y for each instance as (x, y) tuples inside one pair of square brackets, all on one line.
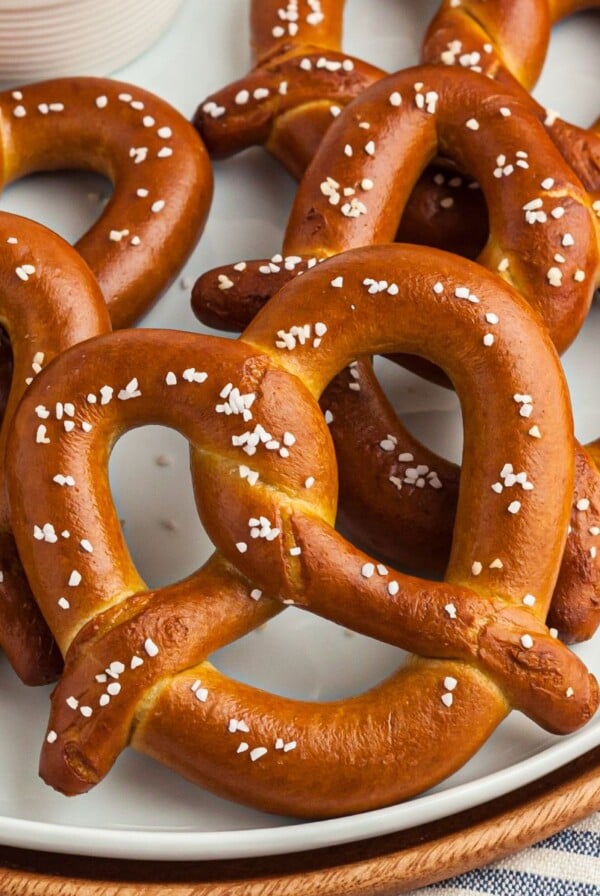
[(142, 810)]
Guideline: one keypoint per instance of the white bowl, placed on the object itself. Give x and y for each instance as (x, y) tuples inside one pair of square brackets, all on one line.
[(53, 38)]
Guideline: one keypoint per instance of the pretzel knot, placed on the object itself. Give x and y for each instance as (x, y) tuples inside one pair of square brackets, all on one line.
[(42, 315), (161, 176), (264, 476)]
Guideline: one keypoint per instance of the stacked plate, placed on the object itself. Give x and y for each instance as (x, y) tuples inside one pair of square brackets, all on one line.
[(48, 38)]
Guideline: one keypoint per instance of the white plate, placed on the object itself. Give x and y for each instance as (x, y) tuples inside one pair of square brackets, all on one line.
[(142, 810)]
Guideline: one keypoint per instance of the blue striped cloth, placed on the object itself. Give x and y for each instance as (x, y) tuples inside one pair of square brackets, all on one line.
[(567, 864)]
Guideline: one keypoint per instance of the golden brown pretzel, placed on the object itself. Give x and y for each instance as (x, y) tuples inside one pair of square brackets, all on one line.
[(528, 205), (263, 468), (42, 314), (158, 167)]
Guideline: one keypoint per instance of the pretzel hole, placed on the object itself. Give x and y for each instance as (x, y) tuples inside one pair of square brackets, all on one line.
[(400, 26), (583, 31), (252, 202), (73, 201), (300, 656), (151, 485), (431, 413)]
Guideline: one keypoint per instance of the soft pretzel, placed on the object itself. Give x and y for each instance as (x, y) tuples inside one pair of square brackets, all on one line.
[(531, 201), (42, 314), (158, 167), (286, 103), (264, 474)]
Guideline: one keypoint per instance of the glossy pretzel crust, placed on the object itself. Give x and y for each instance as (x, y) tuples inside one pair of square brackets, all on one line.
[(264, 473), (49, 300), (159, 170)]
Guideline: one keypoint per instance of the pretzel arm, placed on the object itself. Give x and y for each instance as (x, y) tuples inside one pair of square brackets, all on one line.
[(274, 25), (229, 297), (190, 619), (159, 169), (245, 113), (41, 315)]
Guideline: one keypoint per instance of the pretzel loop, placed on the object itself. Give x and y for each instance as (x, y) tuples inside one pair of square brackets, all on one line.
[(261, 452), (533, 198), (158, 167), (41, 315)]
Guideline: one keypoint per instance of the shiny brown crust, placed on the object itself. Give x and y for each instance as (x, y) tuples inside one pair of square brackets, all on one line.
[(480, 633), (507, 42), (49, 300), (158, 167)]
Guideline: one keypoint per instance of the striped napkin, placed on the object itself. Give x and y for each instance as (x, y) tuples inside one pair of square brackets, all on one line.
[(567, 864)]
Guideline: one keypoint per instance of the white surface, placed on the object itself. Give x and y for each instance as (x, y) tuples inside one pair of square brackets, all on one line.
[(142, 809)]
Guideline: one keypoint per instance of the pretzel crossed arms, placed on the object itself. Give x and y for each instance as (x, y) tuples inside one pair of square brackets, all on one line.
[(136, 667)]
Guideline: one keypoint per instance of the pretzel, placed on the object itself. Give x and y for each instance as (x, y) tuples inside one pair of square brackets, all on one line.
[(289, 111), (42, 314), (324, 222), (264, 473), (158, 167), (359, 181)]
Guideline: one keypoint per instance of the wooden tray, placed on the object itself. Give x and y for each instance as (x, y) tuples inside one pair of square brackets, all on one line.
[(384, 866)]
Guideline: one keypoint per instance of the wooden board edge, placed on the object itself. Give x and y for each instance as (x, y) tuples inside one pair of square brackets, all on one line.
[(384, 866)]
